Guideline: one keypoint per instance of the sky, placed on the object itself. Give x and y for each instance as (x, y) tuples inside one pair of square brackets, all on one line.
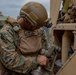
[(12, 7)]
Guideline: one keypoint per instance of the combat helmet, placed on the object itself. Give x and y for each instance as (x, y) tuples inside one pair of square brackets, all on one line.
[(35, 13)]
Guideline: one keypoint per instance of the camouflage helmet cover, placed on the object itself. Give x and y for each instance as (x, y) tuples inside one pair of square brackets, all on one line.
[(35, 13)]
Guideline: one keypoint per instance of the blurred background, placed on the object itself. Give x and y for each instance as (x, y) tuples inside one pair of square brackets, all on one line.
[(12, 7)]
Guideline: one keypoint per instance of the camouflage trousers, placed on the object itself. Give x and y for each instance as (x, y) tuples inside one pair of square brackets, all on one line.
[(5, 71), (12, 73)]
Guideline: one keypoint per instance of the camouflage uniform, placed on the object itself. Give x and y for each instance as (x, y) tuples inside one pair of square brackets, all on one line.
[(9, 56)]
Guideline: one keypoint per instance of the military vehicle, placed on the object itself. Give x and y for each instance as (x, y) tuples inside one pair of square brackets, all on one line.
[(63, 34)]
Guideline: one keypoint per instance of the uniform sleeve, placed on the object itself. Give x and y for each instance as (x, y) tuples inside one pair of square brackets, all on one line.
[(8, 55)]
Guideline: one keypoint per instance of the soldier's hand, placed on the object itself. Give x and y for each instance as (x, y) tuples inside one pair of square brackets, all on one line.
[(42, 60)]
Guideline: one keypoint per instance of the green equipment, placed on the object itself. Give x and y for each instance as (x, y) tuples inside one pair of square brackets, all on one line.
[(2, 18)]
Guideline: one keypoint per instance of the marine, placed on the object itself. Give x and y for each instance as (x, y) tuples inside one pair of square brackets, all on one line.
[(17, 54)]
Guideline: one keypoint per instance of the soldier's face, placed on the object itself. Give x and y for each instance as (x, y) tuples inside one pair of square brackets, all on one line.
[(28, 26)]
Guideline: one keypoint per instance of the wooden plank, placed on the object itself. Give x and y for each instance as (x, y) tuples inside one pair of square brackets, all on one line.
[(54, 11), (52, 5), (66, 40), (55, 7), (65, 26), (69, 67)]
